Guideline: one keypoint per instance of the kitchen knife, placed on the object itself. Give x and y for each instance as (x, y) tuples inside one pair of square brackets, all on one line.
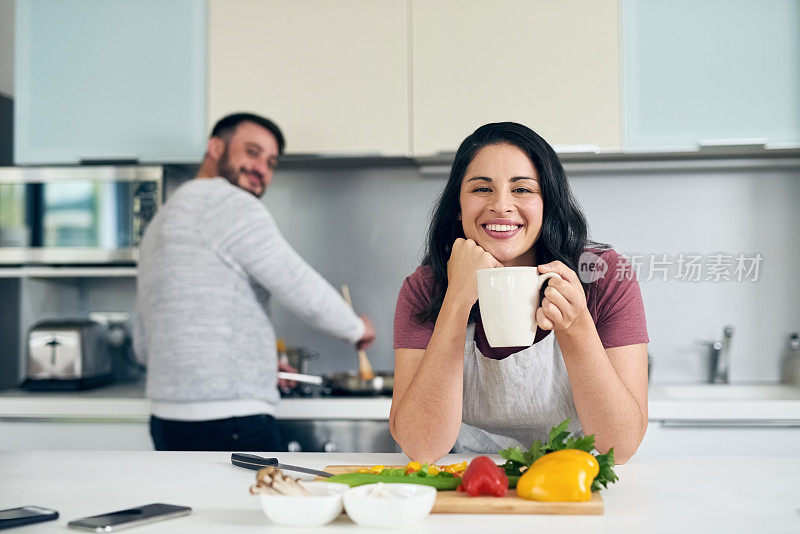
[(251, 461)]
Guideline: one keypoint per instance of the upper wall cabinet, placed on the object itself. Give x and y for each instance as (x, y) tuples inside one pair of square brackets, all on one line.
[(553, 66), (98, 80), (333, 75), (710, 72)]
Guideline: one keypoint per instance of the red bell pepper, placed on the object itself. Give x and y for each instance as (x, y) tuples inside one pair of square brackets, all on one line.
[(484, 477)]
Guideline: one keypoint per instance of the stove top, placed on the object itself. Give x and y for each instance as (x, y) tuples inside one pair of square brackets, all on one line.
[(306, 391)]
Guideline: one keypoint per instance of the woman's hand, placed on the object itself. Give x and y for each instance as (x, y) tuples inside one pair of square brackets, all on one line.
[(466, 259), (564, 302)]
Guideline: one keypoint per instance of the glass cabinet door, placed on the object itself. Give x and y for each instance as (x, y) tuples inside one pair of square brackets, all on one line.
[(711, 72), (109, 81)]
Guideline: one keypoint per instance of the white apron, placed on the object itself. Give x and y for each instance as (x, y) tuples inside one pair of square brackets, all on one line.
[(513, 401)]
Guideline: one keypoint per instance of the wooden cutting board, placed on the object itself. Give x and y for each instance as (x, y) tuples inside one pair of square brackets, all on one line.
[(456, 502)]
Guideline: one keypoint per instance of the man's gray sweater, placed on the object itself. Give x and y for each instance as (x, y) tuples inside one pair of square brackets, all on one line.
[(208, 264)]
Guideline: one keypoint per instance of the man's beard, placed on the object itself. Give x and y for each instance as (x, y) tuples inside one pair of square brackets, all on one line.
[(226, 170)]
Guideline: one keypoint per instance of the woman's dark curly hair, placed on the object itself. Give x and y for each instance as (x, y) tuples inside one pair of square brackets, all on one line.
[(564, 229)]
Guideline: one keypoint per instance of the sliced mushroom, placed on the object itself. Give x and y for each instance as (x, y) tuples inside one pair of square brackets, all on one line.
[(263, 490), (272, 481), (265, 474)]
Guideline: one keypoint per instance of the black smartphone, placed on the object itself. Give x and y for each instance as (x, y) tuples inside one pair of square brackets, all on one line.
[(25, 515), (131, 517)]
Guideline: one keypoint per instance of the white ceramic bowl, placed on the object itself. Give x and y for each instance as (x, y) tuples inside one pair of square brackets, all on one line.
[(389, 505), (320, 508)]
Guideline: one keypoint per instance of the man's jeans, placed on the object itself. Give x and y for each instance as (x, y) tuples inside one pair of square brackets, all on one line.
[(251, 433)]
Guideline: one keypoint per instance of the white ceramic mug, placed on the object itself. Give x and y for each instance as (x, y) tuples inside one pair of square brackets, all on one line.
[(508, 299)]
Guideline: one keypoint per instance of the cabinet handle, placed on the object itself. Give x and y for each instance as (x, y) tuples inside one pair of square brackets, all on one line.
[(577, 150), (758, 143), (127, 159), (731, 423)]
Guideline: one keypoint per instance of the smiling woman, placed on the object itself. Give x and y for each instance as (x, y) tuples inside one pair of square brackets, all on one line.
[(503, 215), (508, 203)]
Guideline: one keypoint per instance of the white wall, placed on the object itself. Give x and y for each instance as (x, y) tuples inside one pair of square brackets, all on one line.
[(366, 228), (7, 47), (707, 213)]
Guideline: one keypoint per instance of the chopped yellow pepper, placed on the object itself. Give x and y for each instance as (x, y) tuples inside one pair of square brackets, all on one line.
[(413, 467), (564, 475), (457, 468)]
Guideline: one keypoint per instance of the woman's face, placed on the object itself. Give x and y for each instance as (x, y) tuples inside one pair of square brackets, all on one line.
[(501, 204)]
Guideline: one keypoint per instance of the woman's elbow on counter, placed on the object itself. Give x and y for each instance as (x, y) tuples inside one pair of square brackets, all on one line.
[(619, 460), (626, 452), (621, 453), (422, 455), (420, 452), (416, 450), (624, 449)]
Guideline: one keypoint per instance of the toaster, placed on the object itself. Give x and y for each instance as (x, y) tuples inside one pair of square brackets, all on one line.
[(67, 355)]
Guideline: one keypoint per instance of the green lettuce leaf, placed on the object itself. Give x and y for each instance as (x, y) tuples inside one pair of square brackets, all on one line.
[(606, 475), (582, 443), (514, 454), (558, 434)]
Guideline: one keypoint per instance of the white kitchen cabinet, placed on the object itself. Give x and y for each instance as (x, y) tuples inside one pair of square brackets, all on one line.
[(109, 81), (710, 72), (698, 438), (553, 66), (117, 418), (333, 75), (59, 434)]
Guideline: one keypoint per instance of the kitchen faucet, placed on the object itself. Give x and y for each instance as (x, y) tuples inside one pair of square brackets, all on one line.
[(719, 357)]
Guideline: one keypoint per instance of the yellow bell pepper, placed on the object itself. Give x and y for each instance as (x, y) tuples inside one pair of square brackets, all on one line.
[(564, 475), (377, 469)]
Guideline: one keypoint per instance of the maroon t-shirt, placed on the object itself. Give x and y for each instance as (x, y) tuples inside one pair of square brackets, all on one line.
[(614, 302)]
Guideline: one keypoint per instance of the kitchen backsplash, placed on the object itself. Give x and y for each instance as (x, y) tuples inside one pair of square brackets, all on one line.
[(365, 227)]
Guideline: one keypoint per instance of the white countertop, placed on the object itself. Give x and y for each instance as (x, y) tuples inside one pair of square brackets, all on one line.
[(654, 494), (685, 402)]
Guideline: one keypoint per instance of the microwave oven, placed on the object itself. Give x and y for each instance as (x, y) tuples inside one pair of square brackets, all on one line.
[(76, 215)]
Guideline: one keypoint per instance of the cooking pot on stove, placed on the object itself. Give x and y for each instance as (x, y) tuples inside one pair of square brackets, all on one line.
[(347, 383), (296, 357)]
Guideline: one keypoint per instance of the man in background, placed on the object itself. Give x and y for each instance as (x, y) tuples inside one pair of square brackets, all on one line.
[(209, 263)]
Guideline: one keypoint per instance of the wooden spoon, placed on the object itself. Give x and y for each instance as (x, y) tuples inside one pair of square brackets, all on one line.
[(365, 371)]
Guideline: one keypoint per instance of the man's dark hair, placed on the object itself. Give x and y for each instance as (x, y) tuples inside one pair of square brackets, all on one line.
[(227, 125), (564, 234)]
